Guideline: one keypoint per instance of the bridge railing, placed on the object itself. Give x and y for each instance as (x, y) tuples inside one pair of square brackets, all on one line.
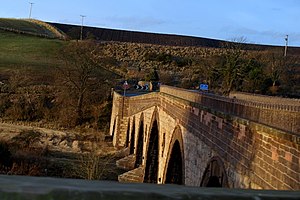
[(281, 116), (279, 102), (274, 103)]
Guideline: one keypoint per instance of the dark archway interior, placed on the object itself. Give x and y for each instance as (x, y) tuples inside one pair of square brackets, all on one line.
[(127, 135), (213, 181), (140, 146), (175, 170), (132, 139), (151, 170), (113, 130), (214, 175)]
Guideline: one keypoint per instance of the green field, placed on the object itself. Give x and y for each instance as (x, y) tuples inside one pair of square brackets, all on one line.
[(18, 50), (27, 44)]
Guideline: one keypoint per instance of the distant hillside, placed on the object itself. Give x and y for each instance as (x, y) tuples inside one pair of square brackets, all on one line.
[(138, 37), (61, 31), (104, 34), (30, 27)]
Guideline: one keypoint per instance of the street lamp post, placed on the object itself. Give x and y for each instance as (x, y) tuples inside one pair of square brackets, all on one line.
[(286, 45), (82, 17), (125, 87), (30, 9)]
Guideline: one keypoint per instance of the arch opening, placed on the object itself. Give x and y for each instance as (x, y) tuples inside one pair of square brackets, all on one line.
[(127, 134), (140, 146), (214, 174), (175, 170), (151, 170), (113, 129), (132, 139)]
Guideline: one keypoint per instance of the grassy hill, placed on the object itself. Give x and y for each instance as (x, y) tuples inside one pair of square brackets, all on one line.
[(24, 46), (28, 44), (19, 50)]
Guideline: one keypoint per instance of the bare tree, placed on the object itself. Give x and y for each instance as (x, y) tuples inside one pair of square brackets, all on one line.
[(282, 71), (89, 166), (81, 74), (233, 64), (96, 163)]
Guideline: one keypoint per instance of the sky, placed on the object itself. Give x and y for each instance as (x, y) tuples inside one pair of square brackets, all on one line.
[(259, 21)]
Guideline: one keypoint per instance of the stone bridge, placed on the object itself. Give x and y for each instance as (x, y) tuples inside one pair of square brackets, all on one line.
[(185, 137)]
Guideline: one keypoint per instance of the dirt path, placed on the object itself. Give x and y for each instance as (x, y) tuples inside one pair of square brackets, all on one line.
[(69, 153), (8, 130), (63, 141)]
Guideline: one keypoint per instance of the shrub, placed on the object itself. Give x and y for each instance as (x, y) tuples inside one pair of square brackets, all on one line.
[(26, 138), (5, 158), (5, 104)]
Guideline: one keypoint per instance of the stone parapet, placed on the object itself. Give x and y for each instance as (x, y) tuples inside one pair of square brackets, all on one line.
[(266, 99), (23, 188), (282, 116)]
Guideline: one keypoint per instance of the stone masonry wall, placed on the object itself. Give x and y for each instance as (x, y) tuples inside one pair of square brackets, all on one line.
[(215, 137), (276, 163), (252, 161)]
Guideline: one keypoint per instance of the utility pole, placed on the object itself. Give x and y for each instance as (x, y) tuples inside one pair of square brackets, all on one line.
[(82, 17), (286, 45), (30, 9)]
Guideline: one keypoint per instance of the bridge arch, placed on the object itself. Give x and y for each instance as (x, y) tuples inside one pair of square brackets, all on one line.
[(114, 128), (214, 174), (174, 170), (127, 134), (152, 156), (140, 143), (132, 138)]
